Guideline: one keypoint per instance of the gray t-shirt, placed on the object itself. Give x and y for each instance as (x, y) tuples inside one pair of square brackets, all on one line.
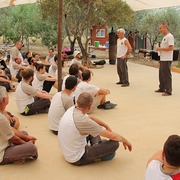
[(40, 77), (28, 89), (14, 52), (85, 125), (6, 133)]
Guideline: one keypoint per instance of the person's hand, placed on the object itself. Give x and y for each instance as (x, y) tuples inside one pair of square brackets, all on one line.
[(31, 139), (128, 145), (123, 57), (158, 49), (10, 118), (44, 92)]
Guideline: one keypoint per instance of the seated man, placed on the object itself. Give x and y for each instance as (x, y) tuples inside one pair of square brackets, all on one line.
[(77, 60), (60, 103), (15, 146), (99, 94), (165, 164), (41, 81), (28, 99), (76, 127), (49, 59), (16, 67)]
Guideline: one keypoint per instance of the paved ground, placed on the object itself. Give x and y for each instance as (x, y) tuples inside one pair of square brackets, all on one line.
[(142, 116)]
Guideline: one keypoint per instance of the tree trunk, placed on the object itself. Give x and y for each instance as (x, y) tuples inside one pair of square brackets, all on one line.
[(85, 60), (72, 42)]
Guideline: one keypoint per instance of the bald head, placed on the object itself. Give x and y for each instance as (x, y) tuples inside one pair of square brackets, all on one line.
[(84, 100)]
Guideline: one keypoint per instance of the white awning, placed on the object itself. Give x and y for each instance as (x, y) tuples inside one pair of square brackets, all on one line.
[(5, 3), (138, 5)]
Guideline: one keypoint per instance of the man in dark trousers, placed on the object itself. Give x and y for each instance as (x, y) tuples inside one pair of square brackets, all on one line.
[(166, 57)]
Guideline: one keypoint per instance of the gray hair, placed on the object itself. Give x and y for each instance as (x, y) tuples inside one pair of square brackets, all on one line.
[(3, 93), (121, 30)]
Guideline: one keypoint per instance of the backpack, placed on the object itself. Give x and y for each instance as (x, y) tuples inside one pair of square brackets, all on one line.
[(100, 62)]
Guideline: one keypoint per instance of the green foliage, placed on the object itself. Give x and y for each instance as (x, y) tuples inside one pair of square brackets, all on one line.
[(147, 23), (20, 22), (24, 21), (81, 15)]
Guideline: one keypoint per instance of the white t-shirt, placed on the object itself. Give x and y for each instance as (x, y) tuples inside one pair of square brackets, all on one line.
[(24, 95), (38, 81), (121, 47), (14, 69), (153, 171), (50, 59), (59, 105), (167, 41), (74, 127), (6, 133), (85, 87), (52, 70), (75, 61)]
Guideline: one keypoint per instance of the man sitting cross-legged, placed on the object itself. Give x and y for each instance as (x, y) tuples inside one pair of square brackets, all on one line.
[(76, 128), (99, 94), (15, 146)]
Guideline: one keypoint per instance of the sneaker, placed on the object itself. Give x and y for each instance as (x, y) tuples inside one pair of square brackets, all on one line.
[(110, 105), (106, 105), (101, 106)]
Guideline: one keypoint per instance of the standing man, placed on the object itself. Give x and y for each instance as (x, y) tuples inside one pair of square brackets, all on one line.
[(166, 57), (123, 49)]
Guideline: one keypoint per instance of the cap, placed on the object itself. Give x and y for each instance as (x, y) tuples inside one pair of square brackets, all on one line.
[(76, 53)]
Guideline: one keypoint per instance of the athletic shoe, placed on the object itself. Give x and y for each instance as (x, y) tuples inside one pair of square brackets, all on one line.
[(109, 105)]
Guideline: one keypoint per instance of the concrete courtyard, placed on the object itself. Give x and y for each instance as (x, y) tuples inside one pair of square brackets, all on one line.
[(144, 117)]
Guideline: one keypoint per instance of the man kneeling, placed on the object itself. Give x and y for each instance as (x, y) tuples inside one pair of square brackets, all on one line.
[(79, 135)]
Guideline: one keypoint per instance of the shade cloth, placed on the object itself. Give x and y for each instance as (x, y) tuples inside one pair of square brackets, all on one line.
[(136, 5), (5, 3)]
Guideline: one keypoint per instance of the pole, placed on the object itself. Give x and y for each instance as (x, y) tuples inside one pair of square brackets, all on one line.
[(60, 15)]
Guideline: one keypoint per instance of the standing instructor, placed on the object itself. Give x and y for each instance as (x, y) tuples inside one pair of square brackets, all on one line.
[(166, 57), (123, 50)]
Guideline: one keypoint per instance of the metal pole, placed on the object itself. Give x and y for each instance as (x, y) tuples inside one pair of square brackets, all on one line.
[(60, 15)]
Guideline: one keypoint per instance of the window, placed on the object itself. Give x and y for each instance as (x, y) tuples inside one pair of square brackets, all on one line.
[(100, 33)]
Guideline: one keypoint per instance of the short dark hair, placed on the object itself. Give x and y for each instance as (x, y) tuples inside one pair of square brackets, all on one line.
[(84, 100), (34, 54), (30, 60), (70, 82), (86, 74), (172, 150), (51, 49), (40, 66), (74, 69), (56, 57), (27, 73)]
